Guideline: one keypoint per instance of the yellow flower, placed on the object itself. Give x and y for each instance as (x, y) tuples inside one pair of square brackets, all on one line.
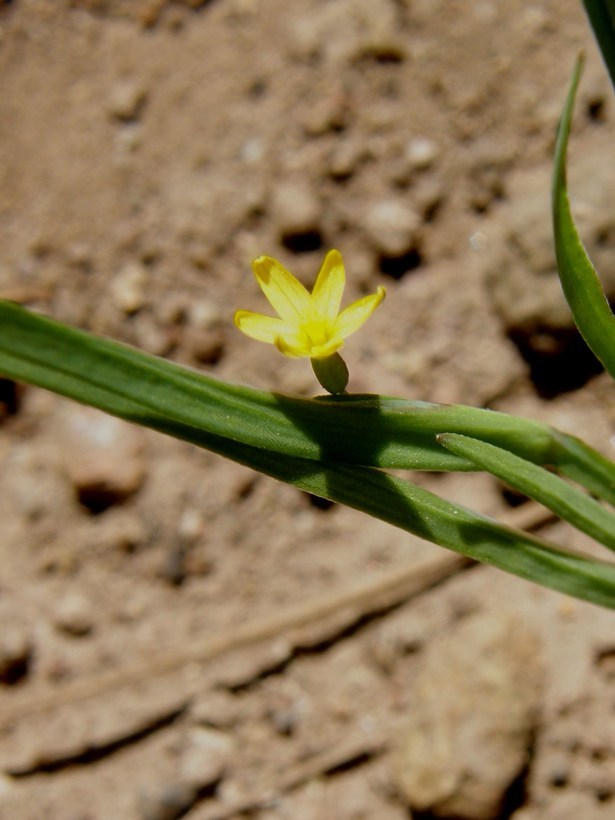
[(310, 325)]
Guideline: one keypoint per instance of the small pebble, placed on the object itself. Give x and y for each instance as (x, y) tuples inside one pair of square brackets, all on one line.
[(253, 152), (166, 801), (428, 196), (470, 714), (207, 345), (191, 525), (173, 568), (7, 784), (73, 615), (217, 709), (150, 336), (120, 530), (204, 757), (295, 209), (331, 113), (284, 720), (421, 153), (345, 158), (198, 562), (171, 310), (80, 255), (126, 100), (128, 288), (128, 139), (203, 315), (16, 650), (392, 226), (103, 457)]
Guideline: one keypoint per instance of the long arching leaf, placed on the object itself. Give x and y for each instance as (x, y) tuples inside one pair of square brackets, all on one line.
[(580, 282)]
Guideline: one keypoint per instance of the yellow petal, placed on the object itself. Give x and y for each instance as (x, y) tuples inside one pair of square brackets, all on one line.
[(326, 350), (356, 314), (329, 287), (285, 293), (292, 346), (299, 348), (262, 328)]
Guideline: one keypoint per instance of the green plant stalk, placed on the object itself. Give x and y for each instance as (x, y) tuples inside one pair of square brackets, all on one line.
[(568, 503), (370, 430), (580, 282)]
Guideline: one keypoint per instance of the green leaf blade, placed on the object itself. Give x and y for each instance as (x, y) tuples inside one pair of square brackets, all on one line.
[(601, 15), (568, 503), (422, 513), (580, 282), (371, 430), (304, 442)]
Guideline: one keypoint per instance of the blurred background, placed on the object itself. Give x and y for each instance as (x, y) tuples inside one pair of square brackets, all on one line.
[(149, 150)]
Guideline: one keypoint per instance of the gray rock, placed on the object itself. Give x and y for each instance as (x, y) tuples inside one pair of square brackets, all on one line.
[(472, 711)]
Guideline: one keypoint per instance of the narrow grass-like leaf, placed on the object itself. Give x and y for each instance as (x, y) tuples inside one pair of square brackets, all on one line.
[(568, 503), (601, 15), (289, 439), (371, 430), (576, 460), (580, 282), (422, 513)]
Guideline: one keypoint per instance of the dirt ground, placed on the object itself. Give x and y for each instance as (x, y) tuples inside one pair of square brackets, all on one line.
[(180, 637)]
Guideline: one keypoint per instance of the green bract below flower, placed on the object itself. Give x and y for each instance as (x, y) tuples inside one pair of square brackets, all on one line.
[(310, 325)]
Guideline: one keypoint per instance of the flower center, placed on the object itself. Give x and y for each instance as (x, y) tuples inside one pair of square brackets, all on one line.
[(317, 332)]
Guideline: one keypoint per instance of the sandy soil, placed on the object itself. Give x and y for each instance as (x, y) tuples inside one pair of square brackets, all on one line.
[(180, 637)]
